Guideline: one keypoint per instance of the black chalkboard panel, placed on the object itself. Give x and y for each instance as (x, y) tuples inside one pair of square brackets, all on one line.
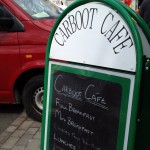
[(85, 113)]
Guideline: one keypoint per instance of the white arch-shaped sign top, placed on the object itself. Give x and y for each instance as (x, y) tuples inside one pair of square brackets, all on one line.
[(97, 35)]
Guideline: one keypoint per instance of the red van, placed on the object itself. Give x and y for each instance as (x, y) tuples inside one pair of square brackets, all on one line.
[(24, 29)]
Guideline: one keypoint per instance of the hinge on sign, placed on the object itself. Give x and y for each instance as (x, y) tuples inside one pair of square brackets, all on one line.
[(147, 64)]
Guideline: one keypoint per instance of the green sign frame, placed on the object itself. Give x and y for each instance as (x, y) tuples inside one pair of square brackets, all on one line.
[(139, 59), (124, 80), (138, 19)]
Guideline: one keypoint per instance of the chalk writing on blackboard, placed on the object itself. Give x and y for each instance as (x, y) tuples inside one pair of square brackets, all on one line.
[(85, 113), (66, 90), (70, 108), (96, 98)]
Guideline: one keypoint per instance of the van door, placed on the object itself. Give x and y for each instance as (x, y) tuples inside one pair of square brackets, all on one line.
[(9, 54)]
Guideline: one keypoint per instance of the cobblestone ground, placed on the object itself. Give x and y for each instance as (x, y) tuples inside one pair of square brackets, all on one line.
[(22, 134)]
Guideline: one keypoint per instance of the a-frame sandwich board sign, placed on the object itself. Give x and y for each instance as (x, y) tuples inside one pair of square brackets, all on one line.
[(93, 70), (143, 119)]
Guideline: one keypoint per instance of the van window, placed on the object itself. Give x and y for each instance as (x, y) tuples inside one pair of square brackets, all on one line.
[(8, 22), (39, 9), (4, 12), (6, 19)]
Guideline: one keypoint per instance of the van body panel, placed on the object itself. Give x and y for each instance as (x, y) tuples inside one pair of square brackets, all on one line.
[(21, 51)]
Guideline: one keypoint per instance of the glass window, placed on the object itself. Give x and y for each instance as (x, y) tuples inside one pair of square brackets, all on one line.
[(4, 13), (39, 9)]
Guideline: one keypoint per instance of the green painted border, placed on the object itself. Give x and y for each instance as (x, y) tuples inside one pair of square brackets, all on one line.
[(138, 19), (139, 56), (123, 82)]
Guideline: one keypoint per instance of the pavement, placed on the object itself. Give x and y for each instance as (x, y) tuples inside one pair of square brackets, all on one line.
[(22, 134)]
